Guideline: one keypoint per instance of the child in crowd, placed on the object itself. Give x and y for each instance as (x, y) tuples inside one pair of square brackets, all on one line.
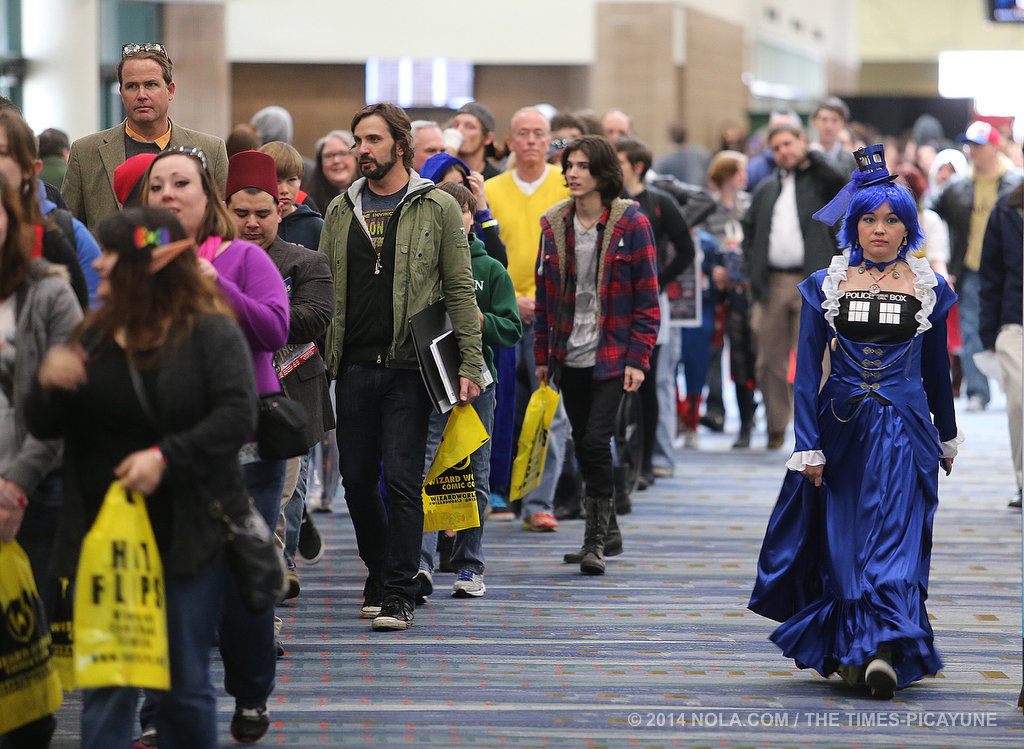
[(500, 327), (300, 224)]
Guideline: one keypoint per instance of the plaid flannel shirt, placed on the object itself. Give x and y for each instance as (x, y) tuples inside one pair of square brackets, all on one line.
[(627, 280)]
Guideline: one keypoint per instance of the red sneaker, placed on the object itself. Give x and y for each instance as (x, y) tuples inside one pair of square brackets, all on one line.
[(543, 522)]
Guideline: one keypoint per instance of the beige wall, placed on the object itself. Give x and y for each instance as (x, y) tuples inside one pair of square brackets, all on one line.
[(917, 30), (899, 78), (195, 31), (711, 88), (320, 98)]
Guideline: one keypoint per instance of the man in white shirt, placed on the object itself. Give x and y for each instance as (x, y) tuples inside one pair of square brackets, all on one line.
[(782, 245)]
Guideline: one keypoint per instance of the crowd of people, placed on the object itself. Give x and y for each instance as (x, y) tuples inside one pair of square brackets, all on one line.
[(158, 284)]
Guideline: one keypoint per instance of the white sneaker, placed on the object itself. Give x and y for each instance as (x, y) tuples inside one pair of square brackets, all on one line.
[(975, 404), (691, 441), (468, 584)]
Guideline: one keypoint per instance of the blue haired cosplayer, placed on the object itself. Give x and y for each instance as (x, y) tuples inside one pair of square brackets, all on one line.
[(867, 200), (870, 186), (845, 559)]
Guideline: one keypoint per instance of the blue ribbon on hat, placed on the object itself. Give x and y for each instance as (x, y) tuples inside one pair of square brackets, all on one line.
[(836, 208)]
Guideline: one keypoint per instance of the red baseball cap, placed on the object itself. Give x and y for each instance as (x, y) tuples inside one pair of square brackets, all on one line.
[(981, 133)]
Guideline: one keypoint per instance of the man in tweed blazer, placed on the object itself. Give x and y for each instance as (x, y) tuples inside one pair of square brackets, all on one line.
[(147, 89)]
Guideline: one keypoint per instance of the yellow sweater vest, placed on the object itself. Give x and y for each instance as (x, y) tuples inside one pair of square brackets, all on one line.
[(518, 217)]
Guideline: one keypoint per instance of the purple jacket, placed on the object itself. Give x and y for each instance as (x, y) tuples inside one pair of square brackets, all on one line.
[(256, 293)]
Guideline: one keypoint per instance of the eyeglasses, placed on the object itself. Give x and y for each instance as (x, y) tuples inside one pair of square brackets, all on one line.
[(335, 155), (134, 48), (195, 153)]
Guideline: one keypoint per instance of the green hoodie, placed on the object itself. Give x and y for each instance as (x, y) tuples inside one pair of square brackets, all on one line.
[(496, 298)]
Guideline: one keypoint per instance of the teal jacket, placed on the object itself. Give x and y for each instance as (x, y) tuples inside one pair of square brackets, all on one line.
[(496, 298), (430, 250)]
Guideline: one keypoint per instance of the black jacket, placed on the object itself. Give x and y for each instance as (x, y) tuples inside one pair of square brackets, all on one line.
[(816, 185), (1000, 272), (205, 404), (670, 229), (307, 276), (954, 205)]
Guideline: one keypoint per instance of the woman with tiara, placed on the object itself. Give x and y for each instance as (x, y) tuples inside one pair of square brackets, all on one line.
[(844, 562)]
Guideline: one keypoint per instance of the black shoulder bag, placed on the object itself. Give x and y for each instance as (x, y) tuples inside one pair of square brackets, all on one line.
[(256, 564)]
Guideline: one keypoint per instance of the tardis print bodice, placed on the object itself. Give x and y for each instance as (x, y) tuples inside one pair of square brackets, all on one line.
[(885, 317)]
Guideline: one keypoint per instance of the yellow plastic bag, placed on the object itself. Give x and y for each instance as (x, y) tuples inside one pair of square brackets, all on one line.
[(29, 685), (532, 450), (120, 621), (449, 492), (62, 634)]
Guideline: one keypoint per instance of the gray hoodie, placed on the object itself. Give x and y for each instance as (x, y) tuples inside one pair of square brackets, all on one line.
[(47, 312)]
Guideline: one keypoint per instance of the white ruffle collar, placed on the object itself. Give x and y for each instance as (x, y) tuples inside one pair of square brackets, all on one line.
[(924, 288)]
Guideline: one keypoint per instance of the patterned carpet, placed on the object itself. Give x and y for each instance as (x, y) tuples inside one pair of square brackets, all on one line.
[(661, 651)]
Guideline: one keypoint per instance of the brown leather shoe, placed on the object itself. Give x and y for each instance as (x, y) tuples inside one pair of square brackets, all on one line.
[(775, 440)]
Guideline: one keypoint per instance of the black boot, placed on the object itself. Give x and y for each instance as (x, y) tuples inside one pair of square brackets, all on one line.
[(612, 543), (599, 513), (743, 438)]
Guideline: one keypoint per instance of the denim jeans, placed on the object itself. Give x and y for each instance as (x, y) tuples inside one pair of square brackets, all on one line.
[(696, 352), (382, 417), (592, 406), (541, 499), (186, 716), (467, 552), (246, 639), (977, 383)]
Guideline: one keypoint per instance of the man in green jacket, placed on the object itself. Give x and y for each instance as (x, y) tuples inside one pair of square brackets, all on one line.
[(392, 240)]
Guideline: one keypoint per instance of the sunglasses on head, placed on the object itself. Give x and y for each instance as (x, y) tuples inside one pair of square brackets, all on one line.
[(195, 153), (134, 48)]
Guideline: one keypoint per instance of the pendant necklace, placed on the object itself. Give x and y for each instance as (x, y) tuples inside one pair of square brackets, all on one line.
[(875, 288), (868, 265)]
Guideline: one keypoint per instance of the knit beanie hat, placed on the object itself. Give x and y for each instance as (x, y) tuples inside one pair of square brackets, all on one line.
[(481, 112)]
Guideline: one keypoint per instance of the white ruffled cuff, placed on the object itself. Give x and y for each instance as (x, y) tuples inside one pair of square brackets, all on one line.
[(804, 458), (950, 447)]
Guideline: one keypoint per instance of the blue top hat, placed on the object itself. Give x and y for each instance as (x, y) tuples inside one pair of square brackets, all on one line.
[(871, 170)]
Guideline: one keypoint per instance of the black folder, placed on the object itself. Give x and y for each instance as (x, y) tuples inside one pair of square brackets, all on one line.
[(437, 352)]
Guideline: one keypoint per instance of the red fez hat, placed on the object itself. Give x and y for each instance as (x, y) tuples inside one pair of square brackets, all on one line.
[(129, 173), (251, 169)]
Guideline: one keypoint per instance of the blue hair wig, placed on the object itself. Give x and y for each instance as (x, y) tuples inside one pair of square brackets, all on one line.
[(868, 199)]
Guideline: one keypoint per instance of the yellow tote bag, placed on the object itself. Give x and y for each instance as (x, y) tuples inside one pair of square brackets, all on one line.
[(532, 450), (449, 492), (120, 624), (29, 685)]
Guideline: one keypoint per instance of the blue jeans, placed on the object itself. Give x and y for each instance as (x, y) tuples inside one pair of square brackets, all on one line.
[(696, 352), (383, 415), (969, 288), (542, 499), (246, 639), (467, 552), (186, 716)]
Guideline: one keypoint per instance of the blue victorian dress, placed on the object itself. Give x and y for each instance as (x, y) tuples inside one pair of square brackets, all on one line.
[(844, 566)]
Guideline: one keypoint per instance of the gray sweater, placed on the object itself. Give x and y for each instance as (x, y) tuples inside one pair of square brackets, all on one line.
[(47, 311)]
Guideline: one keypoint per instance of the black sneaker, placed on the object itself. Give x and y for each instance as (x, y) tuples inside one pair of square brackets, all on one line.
[(373, 594), (311, 546), (426, 585), (249, 724), (395, 614)]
